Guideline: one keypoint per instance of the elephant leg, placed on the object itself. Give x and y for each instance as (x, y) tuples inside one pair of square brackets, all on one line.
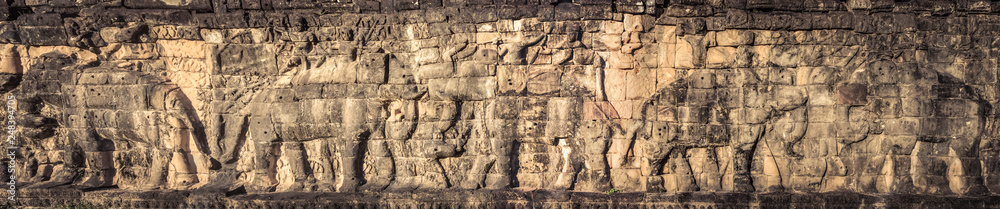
[(350, 163), (383, 167), (291, 171), (742, 182), (184, 175), (157, 173), (747, 137), (681, 171), (234, 136), (598, 170), (185, 170), (69, 171), (573, 174), (965, 169), (264, 163), (657, 160), (355, 111), (434, 176), (477, 174), (99, 171), (499, 176)]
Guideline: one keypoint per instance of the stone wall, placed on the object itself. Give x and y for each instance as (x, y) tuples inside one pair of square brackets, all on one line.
[(250, 98)]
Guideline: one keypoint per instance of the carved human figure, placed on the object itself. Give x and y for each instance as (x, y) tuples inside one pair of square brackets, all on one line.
[(431, 137), (491, 165), (355, 132), (583, 145)]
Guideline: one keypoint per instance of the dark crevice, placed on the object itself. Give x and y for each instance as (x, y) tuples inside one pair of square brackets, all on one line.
[(238, 191), (15, 12)]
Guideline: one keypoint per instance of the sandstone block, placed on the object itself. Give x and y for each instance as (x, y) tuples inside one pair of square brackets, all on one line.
[(615, 84), (543, 80), (129, 51), (853, 94), (471, 88), (327, 70), (251, 59), (720, 57), (641, 83), (599, 111), (733, 37), (427, 56), (690, 52)]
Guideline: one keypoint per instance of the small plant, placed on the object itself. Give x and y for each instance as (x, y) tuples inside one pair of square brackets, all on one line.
[(612, 191)]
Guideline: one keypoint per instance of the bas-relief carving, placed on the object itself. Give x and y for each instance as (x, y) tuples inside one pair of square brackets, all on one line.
[(524, 110), (100, 136)]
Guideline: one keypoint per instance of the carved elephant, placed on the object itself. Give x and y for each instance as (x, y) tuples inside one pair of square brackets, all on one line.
[(158, 142)]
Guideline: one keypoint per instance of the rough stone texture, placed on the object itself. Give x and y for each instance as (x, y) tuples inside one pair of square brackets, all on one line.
[(225, 103)]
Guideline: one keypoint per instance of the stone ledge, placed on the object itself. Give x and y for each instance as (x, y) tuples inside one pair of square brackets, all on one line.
[(115, 198)]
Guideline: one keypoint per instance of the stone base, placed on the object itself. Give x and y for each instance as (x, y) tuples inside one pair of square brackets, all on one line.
[(114, 198)]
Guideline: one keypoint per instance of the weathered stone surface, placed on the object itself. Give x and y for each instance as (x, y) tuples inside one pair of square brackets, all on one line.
[(490, 104)]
